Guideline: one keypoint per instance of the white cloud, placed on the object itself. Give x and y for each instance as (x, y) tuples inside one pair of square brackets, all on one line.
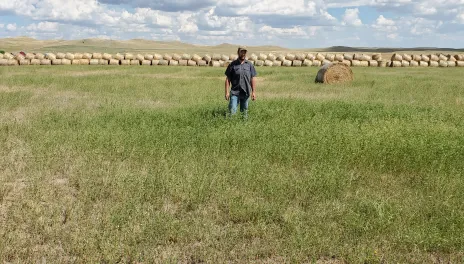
[(44, 26), (351, 17), (11, 27), (384, 24)]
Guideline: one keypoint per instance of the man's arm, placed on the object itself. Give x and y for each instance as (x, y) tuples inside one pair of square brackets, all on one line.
[(226, 85), (253, 89)]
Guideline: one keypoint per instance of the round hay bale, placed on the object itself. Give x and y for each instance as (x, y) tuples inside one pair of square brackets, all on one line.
[(155, 62), (259, 63), (202, 63), (118, 56), (77, 56), (355, 63), (29, 56), (50, 56), (346, 62), (253, 57), (24, 62), (425, 58), (300, 56), (93, 62), (9, 56), (60, 55), (35, 62), (19, 57), (364, 64), (3, 62), (334, 73), (451, 63), (407, 57), (287, 63), (307, 63), (442, 57), (290, 56), (216, 57), (339, 57), (434, 57), (423, 64), (1, 56), (196, 58), (13, 62), (135, 62), (69, 56), (226, 63), (262, 56), (157, 56), (330, 57), (173, 63), (271, 57), (310, 56), (365, 57), (280, 57), (139, 57), (377, 56), (373, 63), (76, 62), (129, 56), (167, 57), (215, 63), (416, 57), (324, 62), (268, 63), (163, 62), (97, 56), (433, 63), (405, 63), (297, 63), (186, 57), (148, 57), (383, 64), (317, 63), (38, 56), (84, 61), (183, 62), (397, 57), (222, 63), (146, 62), (224, 58), (458, 57), (320, 57), (276, 63), (107, 56), (233, 57), (207, 58), (191, 63), (103, 62), (114, 62), (460, 63), (124, 62), (56, 62), (451, 58), (87, 56), (414, 63), (65, 62), (348, 56), (45, 62)]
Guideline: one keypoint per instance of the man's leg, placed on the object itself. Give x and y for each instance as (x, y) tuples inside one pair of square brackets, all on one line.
[(233, 102), (244, 105)]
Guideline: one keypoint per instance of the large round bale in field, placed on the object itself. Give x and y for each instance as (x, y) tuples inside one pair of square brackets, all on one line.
[(38, 56), (377, 56), (84, 61), (383, 64), (433, 63), (56, 62), (297, 63), (107, 56), (13, 62), (287, 63), (157, 56), (148, 57), (339, 57), (134, 62), (93, 62), (77, 56), (114, 62), (97, 56), (191, 63), (25, 62), (300, 56), (163, 62), (69, 56), (30, 56), (139, 57), (125, 62), (87, 56), (35, 62), (307, 63), (3, 62), (346, 62), (276, 63), (334, 73), (460, 63), (60, 55), (373, 63), (173, 63), (224, 57), (183, 62), (76, 62), (202, 63), (423, 64), (155, 62), (434, 57), (348, 56), (397, 57), (45, 62), (268, 63), (65, 62), (330, 57), (317, 63), (271, 57), (146, 62), (425, 58)]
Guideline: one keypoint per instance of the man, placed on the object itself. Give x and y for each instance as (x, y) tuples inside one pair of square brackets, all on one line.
[(240, 78)]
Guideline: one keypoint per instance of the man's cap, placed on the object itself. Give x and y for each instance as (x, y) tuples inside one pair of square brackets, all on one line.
[(241, 47)]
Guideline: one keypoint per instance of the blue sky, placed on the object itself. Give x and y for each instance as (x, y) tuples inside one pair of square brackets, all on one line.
[(288, 23)]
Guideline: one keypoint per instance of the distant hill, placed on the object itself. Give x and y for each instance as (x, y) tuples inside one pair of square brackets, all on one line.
[(142, 45)]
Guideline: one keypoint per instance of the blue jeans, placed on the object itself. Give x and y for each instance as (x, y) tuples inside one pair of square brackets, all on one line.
[(234, 100)]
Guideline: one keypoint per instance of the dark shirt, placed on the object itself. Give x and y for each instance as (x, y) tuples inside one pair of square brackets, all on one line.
[(240, 75)]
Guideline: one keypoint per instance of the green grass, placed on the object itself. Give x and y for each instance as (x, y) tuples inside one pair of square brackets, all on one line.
[(139, 164)]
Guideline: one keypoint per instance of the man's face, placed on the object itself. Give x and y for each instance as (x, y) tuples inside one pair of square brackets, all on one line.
[(242, 54)]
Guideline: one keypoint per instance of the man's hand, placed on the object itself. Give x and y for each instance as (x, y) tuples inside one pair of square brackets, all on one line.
[(227, 96), (253, 96)]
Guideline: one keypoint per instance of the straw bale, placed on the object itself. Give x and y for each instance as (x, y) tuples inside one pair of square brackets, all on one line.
[(84, 61), (334, 73), (135, 62), (146, 62), (173, 63), (114, 62), (69, 56), (287, 63), (65, 62), (191, 63), (76, 62), (96, 56), (35, 62), (107, 56), (56, 62), (45, 62), (60, 55), (148, 57), (183, 62)]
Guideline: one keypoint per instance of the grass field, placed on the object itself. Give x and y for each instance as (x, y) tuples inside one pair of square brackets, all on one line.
[(139, 164)]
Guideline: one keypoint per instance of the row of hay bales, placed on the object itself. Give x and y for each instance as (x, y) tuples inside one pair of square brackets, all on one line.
[(221, 60)]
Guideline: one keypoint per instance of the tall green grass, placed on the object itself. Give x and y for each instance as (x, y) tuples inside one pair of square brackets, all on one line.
[(141, 164)]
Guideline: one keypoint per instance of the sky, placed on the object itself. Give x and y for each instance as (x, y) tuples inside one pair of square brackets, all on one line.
[(286, 23)]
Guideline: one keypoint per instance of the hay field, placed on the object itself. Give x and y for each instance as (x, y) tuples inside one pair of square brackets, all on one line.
[(139, 165)]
